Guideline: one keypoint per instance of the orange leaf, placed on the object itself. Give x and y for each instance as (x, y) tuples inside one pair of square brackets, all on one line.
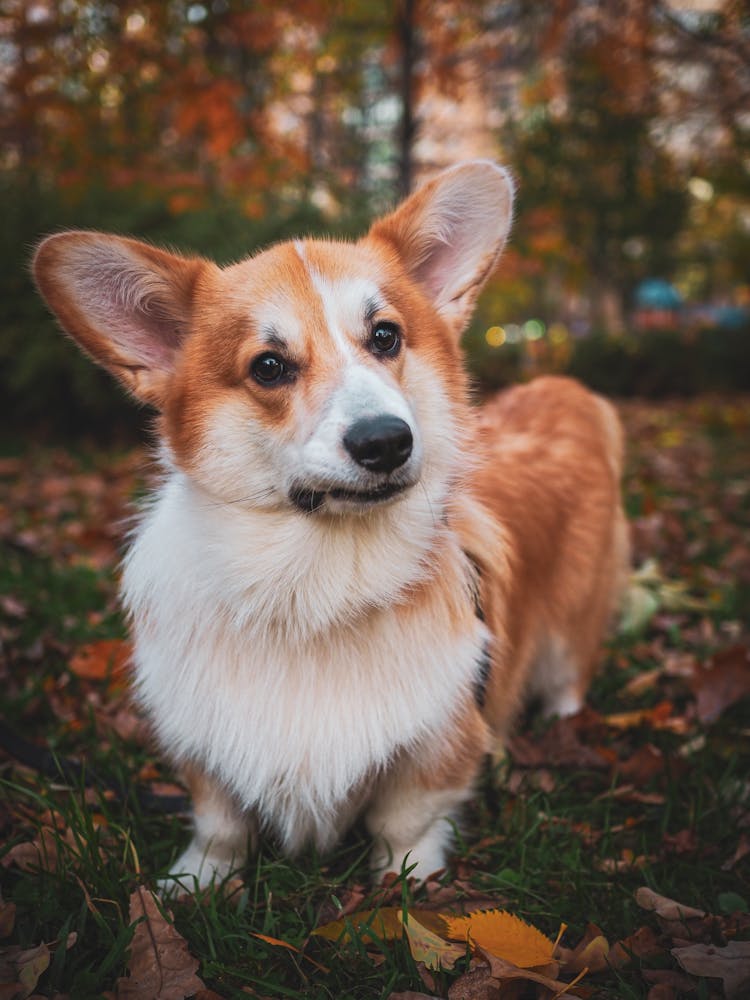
[(106, 658), (503, 935), (278, 943)]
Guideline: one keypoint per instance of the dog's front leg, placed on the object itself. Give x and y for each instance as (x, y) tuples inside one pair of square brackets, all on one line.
[(416, 805), (220, 836)]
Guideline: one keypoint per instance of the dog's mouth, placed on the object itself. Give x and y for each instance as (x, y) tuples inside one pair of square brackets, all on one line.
[(310, 500)]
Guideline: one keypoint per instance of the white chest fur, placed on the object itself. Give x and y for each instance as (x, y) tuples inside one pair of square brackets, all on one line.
[(279, 652)]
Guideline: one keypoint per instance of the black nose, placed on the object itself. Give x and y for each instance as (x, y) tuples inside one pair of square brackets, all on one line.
[(379, 444)]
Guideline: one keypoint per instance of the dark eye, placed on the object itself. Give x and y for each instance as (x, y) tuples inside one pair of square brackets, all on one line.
[(268, 369), (385, 339)]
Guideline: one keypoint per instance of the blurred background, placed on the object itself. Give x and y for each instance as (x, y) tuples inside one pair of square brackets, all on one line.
[(218, 126)]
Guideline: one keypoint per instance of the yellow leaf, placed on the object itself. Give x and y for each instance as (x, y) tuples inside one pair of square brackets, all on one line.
[(383, 923), (428, 947), (503, 935)]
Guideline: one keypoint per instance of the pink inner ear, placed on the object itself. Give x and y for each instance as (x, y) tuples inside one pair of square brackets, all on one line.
[(150, 338), (132, 306), (462, 229)]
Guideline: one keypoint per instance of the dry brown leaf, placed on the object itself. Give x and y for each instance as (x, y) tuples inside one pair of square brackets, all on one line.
[(560, 746), (34, 855), (160, 965), (723, 681), (683, 985), (664, 907), (730, 964), (476, 984), (7, 918), (20, 970), (743, 848), (643, 766), (505, 971), (411, 995), (662, 991), (642, 943)]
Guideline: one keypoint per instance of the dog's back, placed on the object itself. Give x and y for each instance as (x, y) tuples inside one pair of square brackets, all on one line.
[(552, 457)]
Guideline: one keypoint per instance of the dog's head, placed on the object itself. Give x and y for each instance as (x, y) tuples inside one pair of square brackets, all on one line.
[(319, 374)]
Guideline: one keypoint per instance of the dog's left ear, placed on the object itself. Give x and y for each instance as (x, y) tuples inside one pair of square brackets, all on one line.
[(451, 233)]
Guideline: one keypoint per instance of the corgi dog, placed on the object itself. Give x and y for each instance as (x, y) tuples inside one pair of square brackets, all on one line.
[(350, 578)]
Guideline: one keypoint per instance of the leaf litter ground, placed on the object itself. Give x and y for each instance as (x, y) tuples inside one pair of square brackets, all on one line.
[(629, 824)]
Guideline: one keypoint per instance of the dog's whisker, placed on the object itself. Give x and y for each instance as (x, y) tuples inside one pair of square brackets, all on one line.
[(249, 498), (429, 503)]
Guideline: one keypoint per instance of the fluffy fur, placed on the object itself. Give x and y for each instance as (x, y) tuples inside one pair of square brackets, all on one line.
[(307, 642)]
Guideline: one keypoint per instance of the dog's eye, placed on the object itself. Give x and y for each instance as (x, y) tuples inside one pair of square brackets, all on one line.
[(268, 369), (385, 339)]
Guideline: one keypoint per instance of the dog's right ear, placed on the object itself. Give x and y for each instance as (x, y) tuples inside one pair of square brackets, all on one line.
[(127, 304)]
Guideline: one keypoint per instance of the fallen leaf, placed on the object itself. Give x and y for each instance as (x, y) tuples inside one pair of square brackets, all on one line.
[(731, 964), (411, 995), (560, 746), (20, 970), (664, 907), (7, 918), (724, 680), (384, 923), (678, 982), (642, 943), (644, 765), (427, 947), (39, 854), (278, 943), (658, 717), (627, 862), (12, 607), (505, 971), (591, 952), (504, 935), (160, 965), (743, 848), (30, 965), (639, 605), (476, 984), (643, 681), (662, 991), (105, 659)]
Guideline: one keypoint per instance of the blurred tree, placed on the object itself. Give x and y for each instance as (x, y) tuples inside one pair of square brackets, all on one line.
[(219, 124)]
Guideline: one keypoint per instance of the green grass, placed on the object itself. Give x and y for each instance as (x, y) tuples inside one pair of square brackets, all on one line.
[(547, 856)]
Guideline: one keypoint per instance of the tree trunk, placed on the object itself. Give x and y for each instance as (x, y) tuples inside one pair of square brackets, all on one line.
[(406, 34)]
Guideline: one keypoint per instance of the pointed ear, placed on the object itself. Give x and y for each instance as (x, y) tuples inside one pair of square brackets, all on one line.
[(451, 233), (127, 304)]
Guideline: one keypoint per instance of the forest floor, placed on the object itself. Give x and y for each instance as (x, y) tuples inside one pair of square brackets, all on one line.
[(629, 824)]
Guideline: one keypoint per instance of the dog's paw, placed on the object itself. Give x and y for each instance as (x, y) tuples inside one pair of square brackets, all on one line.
[(425, 858), (197, 869)]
